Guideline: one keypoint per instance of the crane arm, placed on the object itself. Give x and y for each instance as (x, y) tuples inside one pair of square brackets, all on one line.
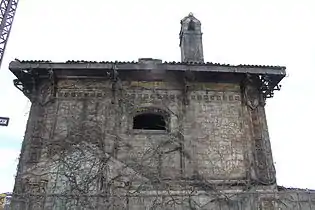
[(7, 12)]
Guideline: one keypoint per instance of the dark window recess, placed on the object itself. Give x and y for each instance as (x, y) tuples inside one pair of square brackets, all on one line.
[(191, 26), (149, 122)]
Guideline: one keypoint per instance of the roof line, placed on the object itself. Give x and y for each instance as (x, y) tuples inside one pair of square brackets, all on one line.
[(165, 62)]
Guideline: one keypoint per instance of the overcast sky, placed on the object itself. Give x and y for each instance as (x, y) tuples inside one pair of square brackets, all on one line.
[(269, 32)]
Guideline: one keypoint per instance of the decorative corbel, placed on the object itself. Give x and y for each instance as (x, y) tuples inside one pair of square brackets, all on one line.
[(249, 92), (30, 88), (32, 92), (52, 89), (188, 77), (53, 82), (114, 77)]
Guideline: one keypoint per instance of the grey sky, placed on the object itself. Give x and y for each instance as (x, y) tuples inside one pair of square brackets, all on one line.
[(278, 32)]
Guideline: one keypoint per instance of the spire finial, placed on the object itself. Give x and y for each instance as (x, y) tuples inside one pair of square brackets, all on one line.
[(190, 14)]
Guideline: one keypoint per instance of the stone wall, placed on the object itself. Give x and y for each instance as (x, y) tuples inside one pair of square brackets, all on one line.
[(213, 132), (209, 139), (211, 127)]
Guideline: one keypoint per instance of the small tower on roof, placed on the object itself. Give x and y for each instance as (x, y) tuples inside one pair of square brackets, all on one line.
[(191, 39)]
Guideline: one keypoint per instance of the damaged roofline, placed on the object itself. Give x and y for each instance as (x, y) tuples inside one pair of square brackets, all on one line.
[(28, 73), (198, 67)]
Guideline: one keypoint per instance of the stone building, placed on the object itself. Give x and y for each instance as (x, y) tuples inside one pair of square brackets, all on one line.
[(149, 134)]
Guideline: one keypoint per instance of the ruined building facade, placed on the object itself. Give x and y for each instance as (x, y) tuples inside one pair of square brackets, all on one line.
[(149, 134)]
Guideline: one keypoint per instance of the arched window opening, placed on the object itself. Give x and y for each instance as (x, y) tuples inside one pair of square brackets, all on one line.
[(191, 26), (149, 121)]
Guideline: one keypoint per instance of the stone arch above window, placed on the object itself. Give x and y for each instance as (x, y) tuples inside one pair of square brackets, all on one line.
[(150, 118)]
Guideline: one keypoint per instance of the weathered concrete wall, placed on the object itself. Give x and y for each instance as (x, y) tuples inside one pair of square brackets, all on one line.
[(213, 132), (211, 125), (209, 139)]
